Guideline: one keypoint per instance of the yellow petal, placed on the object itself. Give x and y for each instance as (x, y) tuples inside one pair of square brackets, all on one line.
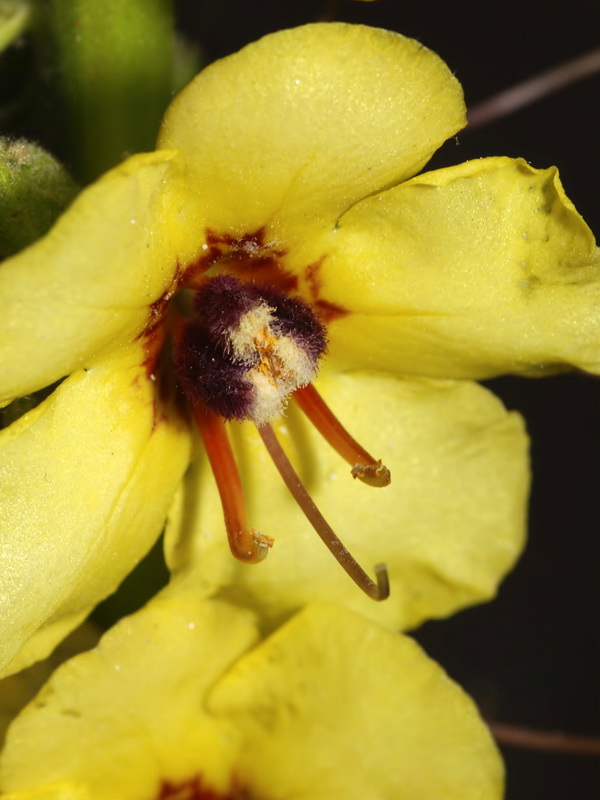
[(171, 695), (115, 722), (85, 482), (18, 690), (333, 706), (296, 127), (449, 527), (91, 281), (470, 271)]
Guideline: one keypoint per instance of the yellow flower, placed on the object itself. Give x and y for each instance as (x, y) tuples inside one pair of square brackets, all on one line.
[(289, 162), (187, 701)]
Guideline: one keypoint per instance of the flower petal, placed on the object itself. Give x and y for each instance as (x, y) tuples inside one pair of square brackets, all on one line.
[(91, 281), (116, 721), (18, 690), (86, 480), (340, 708), (449, 527), (471, 271), (296, 127), (157, 706)]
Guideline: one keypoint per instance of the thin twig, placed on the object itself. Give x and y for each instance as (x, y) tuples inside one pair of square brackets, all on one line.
[(330, 11), (548, 741), (523, 94)]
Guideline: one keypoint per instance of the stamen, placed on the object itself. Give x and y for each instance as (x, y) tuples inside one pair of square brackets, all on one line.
[(246, 544), (378, 590), (364, 466)]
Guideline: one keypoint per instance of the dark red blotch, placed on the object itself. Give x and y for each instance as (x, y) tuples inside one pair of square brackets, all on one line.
[(195, 789)]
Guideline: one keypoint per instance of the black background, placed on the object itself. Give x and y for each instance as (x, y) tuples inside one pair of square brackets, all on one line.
[(530, 657)]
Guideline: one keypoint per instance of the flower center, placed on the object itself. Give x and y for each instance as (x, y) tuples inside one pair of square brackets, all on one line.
[(246, 349)]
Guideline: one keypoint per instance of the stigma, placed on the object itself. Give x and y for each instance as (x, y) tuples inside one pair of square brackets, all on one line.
[(243, 353)]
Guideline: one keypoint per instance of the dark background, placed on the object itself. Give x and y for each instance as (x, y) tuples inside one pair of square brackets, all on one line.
[(531, 657)]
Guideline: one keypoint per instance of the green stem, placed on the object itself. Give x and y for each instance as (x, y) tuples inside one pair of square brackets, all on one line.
[(110, 66)]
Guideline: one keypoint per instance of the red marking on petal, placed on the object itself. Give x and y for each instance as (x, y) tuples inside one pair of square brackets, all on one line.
[(155, 331), (326, 310), (195, 789), (313, 278), (249, 257), (267, 273), (154, 339)]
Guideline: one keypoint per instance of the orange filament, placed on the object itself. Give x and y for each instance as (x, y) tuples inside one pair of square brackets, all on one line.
[(364, 466), (246, 544), (377, 590)]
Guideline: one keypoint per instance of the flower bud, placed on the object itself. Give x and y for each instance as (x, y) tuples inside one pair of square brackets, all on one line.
[(34, 190)]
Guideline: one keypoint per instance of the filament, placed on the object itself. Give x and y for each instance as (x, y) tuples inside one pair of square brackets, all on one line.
[(364, 466), (378, 589), (246, 544)]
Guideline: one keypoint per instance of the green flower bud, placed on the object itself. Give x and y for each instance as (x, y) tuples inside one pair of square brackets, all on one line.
[(34, 190)]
